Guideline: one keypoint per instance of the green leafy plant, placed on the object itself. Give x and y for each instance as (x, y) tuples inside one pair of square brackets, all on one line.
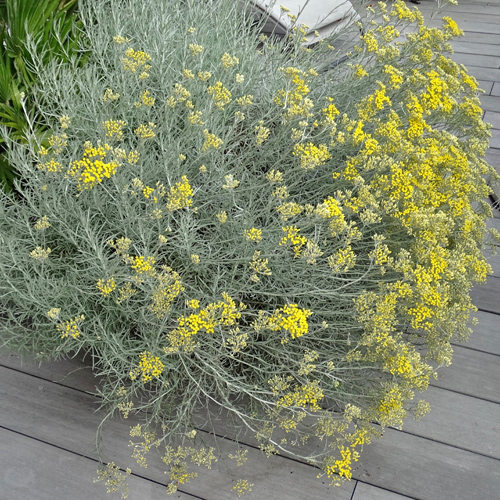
[(255, 230), (49, 28)]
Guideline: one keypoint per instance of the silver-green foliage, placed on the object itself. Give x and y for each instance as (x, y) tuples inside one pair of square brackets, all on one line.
[(262, 369)]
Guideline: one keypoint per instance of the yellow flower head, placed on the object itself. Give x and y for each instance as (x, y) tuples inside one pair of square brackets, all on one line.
[(229, 61), (253, 234), (180, 195), (42, 223)]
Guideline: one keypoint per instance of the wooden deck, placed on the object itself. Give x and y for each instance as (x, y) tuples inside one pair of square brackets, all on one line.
[(48, 419)]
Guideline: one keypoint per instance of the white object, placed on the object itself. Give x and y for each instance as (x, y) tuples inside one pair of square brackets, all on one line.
[(322, 17)]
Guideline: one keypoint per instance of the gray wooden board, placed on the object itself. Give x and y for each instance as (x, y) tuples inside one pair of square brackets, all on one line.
[(426, 470), (493, 118), (65, 417), (493, 261), (483, 37), (462, 7), (496, 90), (473, 373), (495, 138), (366, 491), (31, 469), (458, 420), (486, 334), (428, 448), (493, 223), (477, 60), (74, 372), (486, 74), (463, 19), (489, 102), (486, 86), (471, 27), (469, 47), (492, 156), (487, 296)]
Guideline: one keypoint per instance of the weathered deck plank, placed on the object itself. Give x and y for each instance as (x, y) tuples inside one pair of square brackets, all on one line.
[(74, 373), (487, 296), (492, 222), (489, 102), (475, 427), (462, 7), (426, 470), (366, 491), (473, 373), (496, 89), (486, 86), (65, 417), (493, 118), (464, 19), (495, 138), (486, 334), (462, 46), (32, 469), (471, 28)]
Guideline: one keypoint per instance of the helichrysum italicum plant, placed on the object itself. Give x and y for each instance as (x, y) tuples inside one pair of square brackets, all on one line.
[(292, 242)]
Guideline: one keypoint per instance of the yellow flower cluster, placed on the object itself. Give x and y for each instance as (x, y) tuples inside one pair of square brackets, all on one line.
[(204, 75), (136, 60), (305, 396), (180, 195), (246, 100), (149, 367), (229, 61), (145, 131), (253, 234), (341, 467), (311, 156), (106, 287), (241, 487), (50, 166), (114, 128), (145, 99), (109, 95), (65, 122), (195, 49), (168, 289), (220, 94), (222, 313), (289, 209), (42, 223), (343, 260), (293, 237), (259, 266), (54, 313), (143, 265), (195, 118), (40, 253), (71, 328), (292, 319), (294, 101), (92, 169), (211, 141), (262, 134), (230, 182)]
